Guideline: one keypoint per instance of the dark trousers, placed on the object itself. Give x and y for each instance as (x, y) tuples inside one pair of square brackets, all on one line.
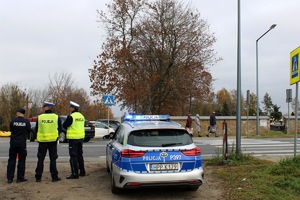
[(76, 156), (42, 151), (21, 151)]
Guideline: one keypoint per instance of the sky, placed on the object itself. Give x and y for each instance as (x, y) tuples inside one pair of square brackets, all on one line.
[(40, 38)]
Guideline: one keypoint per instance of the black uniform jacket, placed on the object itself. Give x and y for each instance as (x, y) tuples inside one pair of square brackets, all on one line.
[(20, 129)]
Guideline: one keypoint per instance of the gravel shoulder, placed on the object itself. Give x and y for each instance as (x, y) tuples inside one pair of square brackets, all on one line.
[(96, 185)]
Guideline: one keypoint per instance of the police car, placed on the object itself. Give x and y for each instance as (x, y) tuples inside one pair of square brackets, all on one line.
[(153, 151)]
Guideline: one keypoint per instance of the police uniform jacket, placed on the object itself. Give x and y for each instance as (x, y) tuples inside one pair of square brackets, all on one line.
[(59, 124), (75, 130), (20, 128)]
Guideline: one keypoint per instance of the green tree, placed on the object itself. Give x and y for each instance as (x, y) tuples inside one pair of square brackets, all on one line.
[(268, 104), (155, 57), (252, 105), (12, 97), (276, 114)]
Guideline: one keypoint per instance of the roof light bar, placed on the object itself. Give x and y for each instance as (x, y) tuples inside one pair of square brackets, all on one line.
[(147, 118)]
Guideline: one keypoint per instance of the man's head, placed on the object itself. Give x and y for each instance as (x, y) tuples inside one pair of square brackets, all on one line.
[(21, 112), (48, 105), (74, 106)]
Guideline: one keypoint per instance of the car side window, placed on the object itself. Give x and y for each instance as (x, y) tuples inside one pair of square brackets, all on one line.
[(120, 135)]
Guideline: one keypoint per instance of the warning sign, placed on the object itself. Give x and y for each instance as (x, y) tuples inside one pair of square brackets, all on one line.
[(109, 100), (294, 66)]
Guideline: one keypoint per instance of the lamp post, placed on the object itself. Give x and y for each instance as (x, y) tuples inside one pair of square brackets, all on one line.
[(257, 95)]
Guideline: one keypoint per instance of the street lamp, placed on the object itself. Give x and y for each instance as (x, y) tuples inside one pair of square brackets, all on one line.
[(257, 96)]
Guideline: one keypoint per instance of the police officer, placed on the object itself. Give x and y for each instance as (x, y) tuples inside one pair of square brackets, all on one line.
[(48, 127), (75, 134), (20, 128)]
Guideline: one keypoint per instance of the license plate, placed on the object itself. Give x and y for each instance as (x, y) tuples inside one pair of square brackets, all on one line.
[(164, 167)]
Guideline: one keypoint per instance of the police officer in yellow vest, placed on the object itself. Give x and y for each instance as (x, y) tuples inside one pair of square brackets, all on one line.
[(48, 127), (75, 134)]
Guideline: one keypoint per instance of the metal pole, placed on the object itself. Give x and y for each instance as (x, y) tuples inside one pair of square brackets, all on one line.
[(248, 103), (288, 128), (108, 120), (238, 106), (257, 94), (247, 120), (296, 122)]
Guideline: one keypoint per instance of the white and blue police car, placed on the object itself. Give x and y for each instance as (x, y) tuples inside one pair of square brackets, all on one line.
[(153, 151)]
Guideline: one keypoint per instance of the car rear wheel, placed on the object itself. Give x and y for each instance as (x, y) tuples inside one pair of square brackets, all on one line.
[(107, 167), (62, 137), (193, 188), (114, 189)]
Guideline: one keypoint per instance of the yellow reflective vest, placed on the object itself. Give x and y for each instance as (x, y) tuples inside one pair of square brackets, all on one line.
[(47, 127), (76, 130)]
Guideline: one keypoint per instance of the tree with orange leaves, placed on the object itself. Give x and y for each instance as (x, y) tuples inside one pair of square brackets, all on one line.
[(155, 57)]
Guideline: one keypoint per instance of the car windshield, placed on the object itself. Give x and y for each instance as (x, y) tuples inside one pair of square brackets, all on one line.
[(112, 124), (100, 125), (159, 138)]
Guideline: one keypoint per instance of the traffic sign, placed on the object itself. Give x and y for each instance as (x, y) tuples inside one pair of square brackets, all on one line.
[(294, 66), (109, 100)]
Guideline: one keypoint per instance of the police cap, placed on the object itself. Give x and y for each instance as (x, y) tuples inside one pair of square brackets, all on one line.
[(21, 110), (49, 104), (73, 104)]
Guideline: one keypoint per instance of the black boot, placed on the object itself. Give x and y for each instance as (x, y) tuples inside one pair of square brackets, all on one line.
[(73, 177)]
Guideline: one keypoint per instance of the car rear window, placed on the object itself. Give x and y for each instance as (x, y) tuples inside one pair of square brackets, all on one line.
[(159, 138)]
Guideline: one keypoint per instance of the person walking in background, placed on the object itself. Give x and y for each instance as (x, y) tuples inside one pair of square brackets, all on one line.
[(212, 128), (197, 125), (122, 118), (19, 128), (188, 125), (75, 134), (48, 127)]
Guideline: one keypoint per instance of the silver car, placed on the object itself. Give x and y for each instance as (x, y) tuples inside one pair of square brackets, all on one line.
[(153, 151)]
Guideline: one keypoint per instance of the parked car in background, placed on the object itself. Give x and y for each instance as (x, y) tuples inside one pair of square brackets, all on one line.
[(88, 127), (102, 130), (32, 135), (112, 123), (89, 130)]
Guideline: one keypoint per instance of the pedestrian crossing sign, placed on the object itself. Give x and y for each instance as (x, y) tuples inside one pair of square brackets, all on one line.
[(294, 66), (109, 100)]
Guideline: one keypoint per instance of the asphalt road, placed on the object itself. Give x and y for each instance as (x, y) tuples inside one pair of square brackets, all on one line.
[(95, 148)]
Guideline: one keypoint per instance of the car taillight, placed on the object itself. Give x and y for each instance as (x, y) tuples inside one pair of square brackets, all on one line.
[(127, 153), (192, 152)]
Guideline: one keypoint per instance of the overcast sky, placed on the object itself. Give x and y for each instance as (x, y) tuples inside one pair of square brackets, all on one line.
[(39, 38)]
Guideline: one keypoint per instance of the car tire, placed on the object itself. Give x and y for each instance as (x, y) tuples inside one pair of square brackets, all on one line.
[(107, 167), (111, 134), (31, 136), (62, 137), (106, 137), (193, 188), (114, 189)]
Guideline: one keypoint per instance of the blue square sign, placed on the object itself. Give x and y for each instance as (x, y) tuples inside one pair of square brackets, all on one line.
[(109, 100)]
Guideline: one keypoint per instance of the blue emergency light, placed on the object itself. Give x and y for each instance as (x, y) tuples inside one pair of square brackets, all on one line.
[(146, 118)]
